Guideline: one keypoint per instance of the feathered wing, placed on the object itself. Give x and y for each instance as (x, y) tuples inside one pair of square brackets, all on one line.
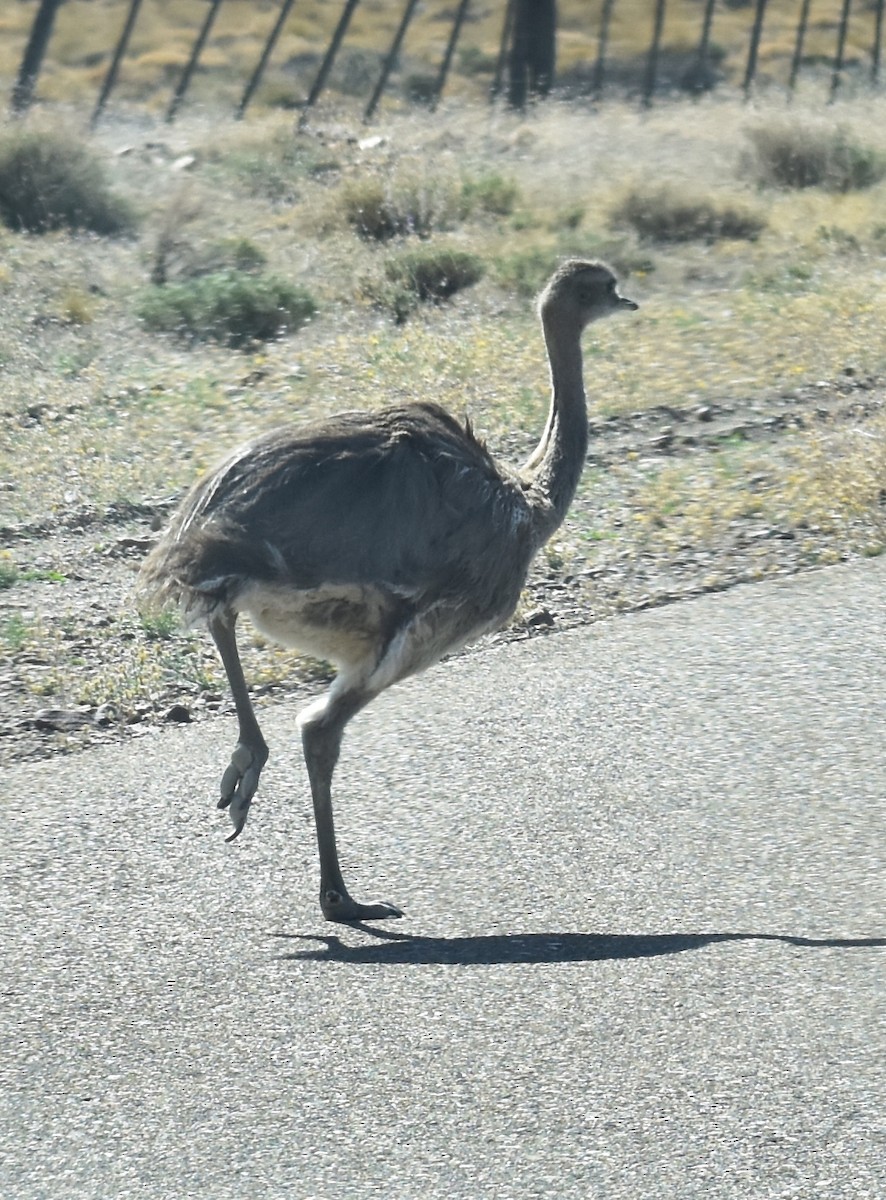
[(406, 500)]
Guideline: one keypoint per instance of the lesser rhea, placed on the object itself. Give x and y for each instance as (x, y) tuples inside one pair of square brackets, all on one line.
[(378, 541)]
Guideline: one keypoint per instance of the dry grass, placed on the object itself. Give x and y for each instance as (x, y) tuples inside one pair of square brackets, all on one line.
[(48, 181), (715, 320), (86, 32), (667, 214), (97, 411), (813, 153)]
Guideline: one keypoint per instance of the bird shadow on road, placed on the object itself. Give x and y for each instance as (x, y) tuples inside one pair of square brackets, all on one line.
[(494, 949)]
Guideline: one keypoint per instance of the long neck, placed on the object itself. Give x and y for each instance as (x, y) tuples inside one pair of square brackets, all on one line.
[(552, 471)]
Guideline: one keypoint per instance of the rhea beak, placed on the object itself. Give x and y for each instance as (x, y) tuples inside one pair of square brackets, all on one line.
[(624, 302)]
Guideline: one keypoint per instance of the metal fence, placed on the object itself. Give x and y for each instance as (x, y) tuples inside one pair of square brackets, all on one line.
[(526, 62)]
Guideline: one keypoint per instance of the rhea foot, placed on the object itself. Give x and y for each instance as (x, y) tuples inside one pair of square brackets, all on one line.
[(239, 783), (337, 905)]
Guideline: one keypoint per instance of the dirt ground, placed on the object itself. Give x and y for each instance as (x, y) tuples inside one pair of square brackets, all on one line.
[(78, 575)]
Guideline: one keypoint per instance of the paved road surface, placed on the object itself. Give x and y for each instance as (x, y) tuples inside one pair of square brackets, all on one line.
[(643, 955)]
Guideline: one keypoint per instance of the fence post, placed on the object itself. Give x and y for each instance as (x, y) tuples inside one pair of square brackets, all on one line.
[(460, 15), (505, 41), (119, 51), (798, 46), (23, 91), (255, 79), (328, 59), (836, 76), (706, 23), (878, 42), (652, 61), (519, 55), (185, 80), (533, 50), (602, 46), (698, 77), (756, 31), (391, 58)]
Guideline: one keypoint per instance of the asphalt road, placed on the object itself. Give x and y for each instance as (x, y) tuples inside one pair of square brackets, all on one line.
[(643, 955)]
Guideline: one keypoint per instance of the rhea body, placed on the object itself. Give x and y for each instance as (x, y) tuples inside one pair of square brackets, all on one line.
[(378, 541)]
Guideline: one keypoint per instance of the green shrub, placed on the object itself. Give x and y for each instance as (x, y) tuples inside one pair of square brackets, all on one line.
[(524, 271), (419, 276), (372, 213), (49, 181), (228, 306), (14, 633), (669, 214), (231, 254), (493, 194), (418, 205), (9, 573), (407, 204), (176, 258), (791, 154), (159, 625), (435, 274)]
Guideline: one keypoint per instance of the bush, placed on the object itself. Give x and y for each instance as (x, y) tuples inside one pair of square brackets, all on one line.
[(176, 258), (493, 194), (666, 214), (422, 275), (418, 205), (435, 274), (791, 154), (8, 570), (228, 306), (525, 271), (420, 88), (406, 205), (230, 254), (49, 181), (373, 215)]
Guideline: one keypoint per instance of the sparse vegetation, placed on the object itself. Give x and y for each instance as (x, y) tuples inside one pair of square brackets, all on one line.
[(273, 166), (417, 204), (803, 154), (13, 633), (229, 306), (9, 572), (408, 204), (435, 274), (490, 193), (670, 214), (774, 337), (52, 181), (159, 625)]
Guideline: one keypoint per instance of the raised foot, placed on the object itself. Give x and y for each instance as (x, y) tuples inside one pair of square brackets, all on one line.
[(239, 783), (338, 906)]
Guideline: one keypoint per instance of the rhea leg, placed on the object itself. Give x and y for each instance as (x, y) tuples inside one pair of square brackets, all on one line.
[(240, 780), (322, 727)]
